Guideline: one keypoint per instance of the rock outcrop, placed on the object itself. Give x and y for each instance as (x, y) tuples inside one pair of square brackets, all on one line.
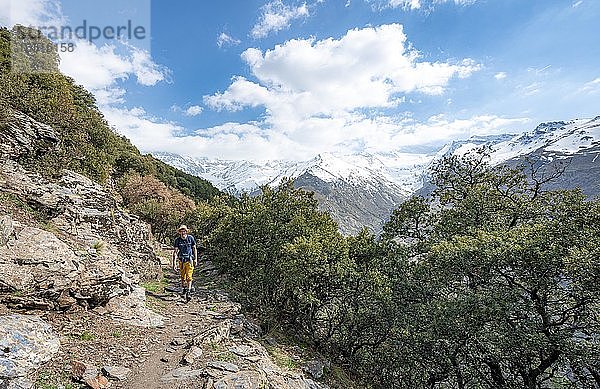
[(23, 135), (89, 251), (25, 343)]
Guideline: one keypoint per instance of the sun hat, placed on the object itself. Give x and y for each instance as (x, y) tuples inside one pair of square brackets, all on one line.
[(182, 227)]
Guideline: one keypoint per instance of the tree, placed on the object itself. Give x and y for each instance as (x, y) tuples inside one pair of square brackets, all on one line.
[(164, 208), (504, 279)]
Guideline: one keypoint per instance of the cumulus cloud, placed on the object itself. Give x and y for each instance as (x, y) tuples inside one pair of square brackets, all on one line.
[(366, 68), (30, 12), (224, 40), (194, 110), (254, 141), (276, 16), (500, 76), (332, 95), (99, 69)]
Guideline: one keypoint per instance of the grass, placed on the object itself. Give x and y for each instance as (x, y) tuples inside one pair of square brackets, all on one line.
[(49, 227), (227, 356), (87, 336), (155, 286), (48, 380), (18, 293), (99, 246), (16, 203), (281, 359), (116, 334), (221, 353)]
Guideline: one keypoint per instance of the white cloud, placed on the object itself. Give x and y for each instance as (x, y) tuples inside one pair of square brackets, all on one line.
[(577, 4), (224, 40), (366, 68), (418, 4), (100, 69), (500, 76), (194, 110), (30, 12), (407, 4), (252, 141), (277, 16), (147, 72), (592, 87), (329, 95)]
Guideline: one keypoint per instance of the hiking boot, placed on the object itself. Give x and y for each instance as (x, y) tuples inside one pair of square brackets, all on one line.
[(188, 296), (184, 292)]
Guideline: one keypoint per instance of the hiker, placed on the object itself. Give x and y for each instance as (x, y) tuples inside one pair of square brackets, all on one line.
[(186, 252)]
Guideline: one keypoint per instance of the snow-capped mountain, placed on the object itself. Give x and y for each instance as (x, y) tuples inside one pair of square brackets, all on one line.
[(362, 189), (400, 170), (560, 139), (359, 190)]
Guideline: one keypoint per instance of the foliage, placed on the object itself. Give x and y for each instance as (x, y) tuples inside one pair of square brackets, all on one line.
[(492, 283), (503, 279), (87, 336), (87, 144), (281, 252), (164, 208)]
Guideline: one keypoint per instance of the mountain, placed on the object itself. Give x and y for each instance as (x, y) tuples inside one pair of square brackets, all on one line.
[(359, 190), (572, 145), (363, 189)]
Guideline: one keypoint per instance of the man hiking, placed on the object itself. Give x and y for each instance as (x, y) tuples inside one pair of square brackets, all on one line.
[(186, 252)]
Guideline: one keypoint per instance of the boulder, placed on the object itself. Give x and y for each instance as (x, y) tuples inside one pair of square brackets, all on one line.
[(215, 334), (88, 374), (25, 343), (6, 229), (83, 372), (39, 270), (315, 368), (242, 350), (225, 366), (119, 373), (245, 379), (92, 251), (131, 309), (191, 356), (88, 214)]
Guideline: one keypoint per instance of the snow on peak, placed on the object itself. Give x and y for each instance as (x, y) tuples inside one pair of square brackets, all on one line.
[(398, 171)]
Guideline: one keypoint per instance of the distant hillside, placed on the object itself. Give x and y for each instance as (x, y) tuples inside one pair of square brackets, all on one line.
[(571, 148), (87, 143)]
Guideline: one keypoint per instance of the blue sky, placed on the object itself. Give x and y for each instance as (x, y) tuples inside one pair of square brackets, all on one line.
[(284, 79)]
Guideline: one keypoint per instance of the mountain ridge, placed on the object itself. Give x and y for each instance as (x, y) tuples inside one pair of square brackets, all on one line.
[(363, 187)]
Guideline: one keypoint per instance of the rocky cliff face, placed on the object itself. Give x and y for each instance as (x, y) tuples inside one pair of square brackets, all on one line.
[(84, 252)]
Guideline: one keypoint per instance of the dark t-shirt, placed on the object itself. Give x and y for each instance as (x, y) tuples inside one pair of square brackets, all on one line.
[(185, 247)]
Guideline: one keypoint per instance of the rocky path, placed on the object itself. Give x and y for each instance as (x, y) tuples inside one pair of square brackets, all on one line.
[(205, 343)]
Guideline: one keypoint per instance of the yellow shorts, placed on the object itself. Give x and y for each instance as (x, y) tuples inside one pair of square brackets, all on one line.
[(187, 270)]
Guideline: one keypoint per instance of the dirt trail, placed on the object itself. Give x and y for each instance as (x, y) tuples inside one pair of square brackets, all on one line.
[(204, 343), (179, 322)]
